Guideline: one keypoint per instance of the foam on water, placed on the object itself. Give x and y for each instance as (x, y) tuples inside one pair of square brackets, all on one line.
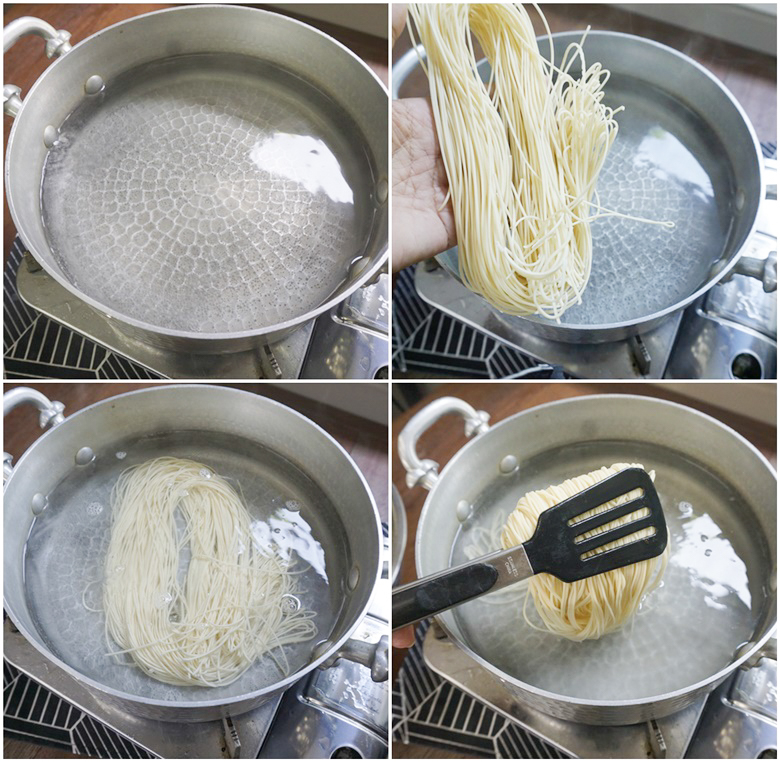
[(208, 193), (713, 584), (65, 554)]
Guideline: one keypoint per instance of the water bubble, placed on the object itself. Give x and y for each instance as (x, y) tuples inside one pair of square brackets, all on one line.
[(205, 473), (185, 493), (290, 604), (163, 600), (708, 552), (121, 455), (277, 530), (293, 505), (686, 509), (704, 538), (94, 509)]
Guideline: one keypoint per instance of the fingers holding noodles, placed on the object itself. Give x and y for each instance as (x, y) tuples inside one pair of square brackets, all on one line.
[(522, 153)]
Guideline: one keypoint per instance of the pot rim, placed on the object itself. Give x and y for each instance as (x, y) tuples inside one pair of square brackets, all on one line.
[(680, 693), (367, 275), (228, 700)]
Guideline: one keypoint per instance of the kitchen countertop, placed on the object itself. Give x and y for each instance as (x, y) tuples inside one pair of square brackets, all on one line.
[(364, 440), (25, 62), (502, 400)]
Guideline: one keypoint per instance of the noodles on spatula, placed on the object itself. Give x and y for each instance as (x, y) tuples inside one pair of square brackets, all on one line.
[(522, 153), (187, 594), (595, 606)]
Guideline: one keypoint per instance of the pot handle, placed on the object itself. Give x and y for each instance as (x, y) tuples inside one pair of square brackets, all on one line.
[(57, 44), (350, 314), (375, 656), (424, 472), (747, 707), (50, 414), (764, 270), (764, 266)]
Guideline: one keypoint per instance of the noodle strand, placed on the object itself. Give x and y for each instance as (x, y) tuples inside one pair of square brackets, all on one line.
[(595, 606), (198, 604), (522, 153)]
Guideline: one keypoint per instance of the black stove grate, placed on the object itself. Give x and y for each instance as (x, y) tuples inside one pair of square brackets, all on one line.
[(34, 714), (426, 341), (429, 710), (36, 347)]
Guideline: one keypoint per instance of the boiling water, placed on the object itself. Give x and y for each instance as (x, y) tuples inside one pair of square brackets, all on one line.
[(208, 193), (65, 554), (685, 631), (665, 165)]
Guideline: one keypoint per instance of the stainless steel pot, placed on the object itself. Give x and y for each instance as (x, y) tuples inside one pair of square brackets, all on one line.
[(719, 497), (88, 71), (685, 152), (72, 467)]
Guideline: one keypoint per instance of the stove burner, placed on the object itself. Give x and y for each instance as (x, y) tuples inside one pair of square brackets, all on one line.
[(746, 365)]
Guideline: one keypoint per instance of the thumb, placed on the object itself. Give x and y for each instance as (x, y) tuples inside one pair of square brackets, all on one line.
[(399, 20)]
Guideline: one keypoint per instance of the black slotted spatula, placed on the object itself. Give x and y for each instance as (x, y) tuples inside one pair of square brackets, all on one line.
[(557, 547)]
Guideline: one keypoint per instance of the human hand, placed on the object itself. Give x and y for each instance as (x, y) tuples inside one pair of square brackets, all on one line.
[(422, 224), (403, 637)]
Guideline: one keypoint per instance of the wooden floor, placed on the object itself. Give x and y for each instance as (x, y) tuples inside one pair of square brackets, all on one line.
[(364, 440), (25, 62), (502, 400)]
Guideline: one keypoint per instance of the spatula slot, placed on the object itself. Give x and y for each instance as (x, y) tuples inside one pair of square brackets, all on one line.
[(623, 521), (634, 537), (605, 507)]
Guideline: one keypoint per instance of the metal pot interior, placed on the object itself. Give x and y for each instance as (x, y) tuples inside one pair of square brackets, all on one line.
[(279, 460), (717, 599), (685, 153), (218, 129)]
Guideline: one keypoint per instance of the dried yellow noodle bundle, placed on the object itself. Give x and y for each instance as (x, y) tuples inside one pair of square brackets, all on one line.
[(205, 624), (592, 607), (522, 153)]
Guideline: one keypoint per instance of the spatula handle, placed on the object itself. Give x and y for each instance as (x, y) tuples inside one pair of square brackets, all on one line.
[(427, 597)]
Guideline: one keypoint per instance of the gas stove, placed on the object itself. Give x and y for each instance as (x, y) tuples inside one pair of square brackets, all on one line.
[(730, 332), (333, 713), (446, 698), (49, 333)]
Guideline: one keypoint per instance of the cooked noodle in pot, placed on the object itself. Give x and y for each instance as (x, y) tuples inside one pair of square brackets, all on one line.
[(187, 594), (595, 606)]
